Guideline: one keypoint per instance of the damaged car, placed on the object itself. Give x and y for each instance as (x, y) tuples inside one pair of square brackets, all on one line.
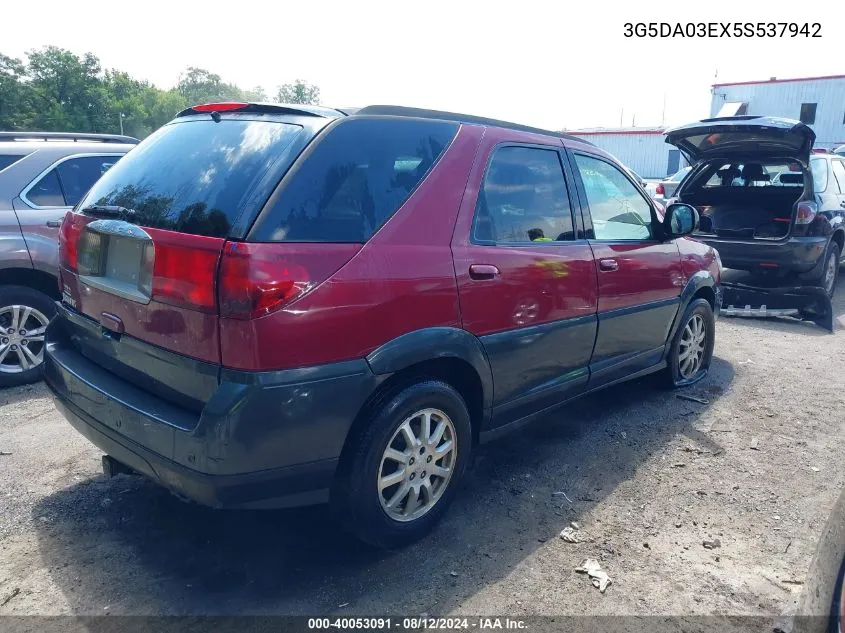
[(769, 208)]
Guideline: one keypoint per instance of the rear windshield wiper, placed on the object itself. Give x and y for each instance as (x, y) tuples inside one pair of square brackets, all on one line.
[(102, 209)]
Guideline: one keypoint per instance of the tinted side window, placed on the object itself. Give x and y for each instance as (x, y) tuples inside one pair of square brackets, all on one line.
[(524, 198), (47, 192), (839, 173), (356, 178), (9, 159), (618, 210), (77, 175)]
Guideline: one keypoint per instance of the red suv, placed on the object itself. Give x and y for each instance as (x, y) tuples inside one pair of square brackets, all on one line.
[(270, 305)]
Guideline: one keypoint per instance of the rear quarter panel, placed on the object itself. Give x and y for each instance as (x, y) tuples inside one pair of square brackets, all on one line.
[(402, 280)]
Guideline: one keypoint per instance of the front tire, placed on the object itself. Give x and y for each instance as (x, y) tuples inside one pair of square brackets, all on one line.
[(24, 315), (402, 467), (692, 347)]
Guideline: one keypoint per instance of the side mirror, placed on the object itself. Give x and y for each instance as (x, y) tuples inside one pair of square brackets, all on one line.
[(680, 219)]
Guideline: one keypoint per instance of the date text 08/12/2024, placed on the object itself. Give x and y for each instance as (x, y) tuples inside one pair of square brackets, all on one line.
[(416, 623), (722, 29)]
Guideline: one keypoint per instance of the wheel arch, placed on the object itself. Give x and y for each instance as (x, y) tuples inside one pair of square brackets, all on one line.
[(701, 285), (32, 278), (445, 353)]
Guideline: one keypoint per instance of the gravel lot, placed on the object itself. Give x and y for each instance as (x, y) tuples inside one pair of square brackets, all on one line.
[(648, 477)]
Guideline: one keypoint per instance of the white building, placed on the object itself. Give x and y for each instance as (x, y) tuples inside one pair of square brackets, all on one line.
[(642, 149), (817, 101)]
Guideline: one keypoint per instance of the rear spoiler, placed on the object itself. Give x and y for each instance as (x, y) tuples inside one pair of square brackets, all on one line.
[(808, 303)]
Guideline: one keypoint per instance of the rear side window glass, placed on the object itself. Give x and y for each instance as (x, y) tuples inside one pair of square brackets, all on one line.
[(47, 192), (77, 175), (9, 159), (839, 173), (356, 178), (618, 210), (524, 198), (820, 174), (195, 176)]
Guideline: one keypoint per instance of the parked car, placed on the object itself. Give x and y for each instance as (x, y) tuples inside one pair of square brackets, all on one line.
[(665, 189), (840, 150), (306, 306), (42, 175), (792, 229)]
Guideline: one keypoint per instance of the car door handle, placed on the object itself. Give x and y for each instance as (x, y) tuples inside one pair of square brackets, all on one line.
[(483, 271), (608, 265), (54, 224)]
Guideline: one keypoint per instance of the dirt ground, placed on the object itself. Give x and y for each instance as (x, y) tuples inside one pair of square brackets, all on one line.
[(648, 476)]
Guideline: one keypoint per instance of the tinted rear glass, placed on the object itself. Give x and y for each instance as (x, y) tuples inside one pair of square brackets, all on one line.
[(354, 180), (9, 159), (196, 176)]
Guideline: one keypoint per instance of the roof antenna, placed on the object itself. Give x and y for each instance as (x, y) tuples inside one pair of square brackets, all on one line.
[(215, 116)]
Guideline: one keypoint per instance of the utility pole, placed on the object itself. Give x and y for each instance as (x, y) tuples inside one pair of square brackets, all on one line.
[(621, 116), (121, 123), (663, 116)]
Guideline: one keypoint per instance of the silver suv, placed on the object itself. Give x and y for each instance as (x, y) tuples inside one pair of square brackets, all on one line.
[(42, 175)]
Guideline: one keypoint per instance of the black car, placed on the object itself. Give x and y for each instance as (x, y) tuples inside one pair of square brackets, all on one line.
[(766, 205)]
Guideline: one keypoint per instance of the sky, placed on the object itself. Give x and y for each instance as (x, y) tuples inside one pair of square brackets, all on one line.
[(556, 65)]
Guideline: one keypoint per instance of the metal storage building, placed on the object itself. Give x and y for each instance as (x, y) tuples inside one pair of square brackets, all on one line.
[(817, 101), (642, 149)]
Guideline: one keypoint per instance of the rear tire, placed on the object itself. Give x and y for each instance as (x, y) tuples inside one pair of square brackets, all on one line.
[(23, 309), (692, 347), (392, 487), (830, 270)]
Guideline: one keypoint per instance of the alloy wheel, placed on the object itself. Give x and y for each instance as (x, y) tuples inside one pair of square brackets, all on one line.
[(692, 347), (22, 331), (417, 465), (830, 273)]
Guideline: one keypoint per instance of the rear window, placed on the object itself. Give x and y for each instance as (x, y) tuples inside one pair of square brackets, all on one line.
[(354, 181), (755, 174), (196, 176), (9, 159)]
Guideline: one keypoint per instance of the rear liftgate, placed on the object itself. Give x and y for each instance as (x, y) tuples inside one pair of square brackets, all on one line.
[(808, 303)]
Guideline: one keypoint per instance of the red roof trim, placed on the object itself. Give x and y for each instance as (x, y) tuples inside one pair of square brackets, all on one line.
[(777, 81), (616, 132)]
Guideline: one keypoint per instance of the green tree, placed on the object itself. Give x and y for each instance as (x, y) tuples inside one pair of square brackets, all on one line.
[(197, 85), (298, 92), (17, 96)]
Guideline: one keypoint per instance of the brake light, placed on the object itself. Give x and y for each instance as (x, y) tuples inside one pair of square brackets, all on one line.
[(69, 233), (256, 281), (660, 190), (225, 106), (184, 269), (806, 212)]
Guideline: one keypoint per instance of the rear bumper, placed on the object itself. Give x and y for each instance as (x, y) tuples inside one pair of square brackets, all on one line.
[(795, 255), (264, 439)]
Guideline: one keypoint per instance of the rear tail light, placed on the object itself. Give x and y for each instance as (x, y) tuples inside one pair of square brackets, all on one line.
[(806, 212), (660, 190), (184, 268), (69, 233), (257, 279), (794, 167)]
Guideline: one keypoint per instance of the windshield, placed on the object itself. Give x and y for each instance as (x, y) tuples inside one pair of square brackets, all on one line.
[(196, 176)]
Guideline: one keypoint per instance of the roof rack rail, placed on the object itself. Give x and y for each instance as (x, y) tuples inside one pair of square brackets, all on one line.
[(268, 108), (388, 110), (68, 136)]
